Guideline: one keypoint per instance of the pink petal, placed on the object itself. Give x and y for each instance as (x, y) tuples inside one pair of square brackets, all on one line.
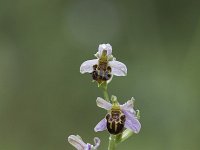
[(101, 126)]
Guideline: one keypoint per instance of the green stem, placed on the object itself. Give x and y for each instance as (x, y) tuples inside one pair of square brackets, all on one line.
[(112, 144), (105, 92)]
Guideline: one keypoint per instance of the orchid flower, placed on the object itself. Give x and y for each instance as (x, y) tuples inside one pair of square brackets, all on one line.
[(105, 66), (78, 143), (118, 117)]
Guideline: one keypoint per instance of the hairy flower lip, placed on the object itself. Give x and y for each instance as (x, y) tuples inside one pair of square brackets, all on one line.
[(131, 122), (78, 143), (117, 68)]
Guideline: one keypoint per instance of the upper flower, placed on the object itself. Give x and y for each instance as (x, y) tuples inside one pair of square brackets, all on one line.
[(104, 66), (118, 117), (78, 143)]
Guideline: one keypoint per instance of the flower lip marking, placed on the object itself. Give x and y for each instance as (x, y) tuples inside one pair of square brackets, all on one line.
[(102, 72), (115, 121)]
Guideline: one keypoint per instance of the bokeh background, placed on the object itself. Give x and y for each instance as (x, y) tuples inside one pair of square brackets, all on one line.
[(44, 98)]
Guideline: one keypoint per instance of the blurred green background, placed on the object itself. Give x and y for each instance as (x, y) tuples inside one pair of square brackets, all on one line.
[(44, 98)]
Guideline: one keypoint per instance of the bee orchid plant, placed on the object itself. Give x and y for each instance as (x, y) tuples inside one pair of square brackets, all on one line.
[(121, 121)]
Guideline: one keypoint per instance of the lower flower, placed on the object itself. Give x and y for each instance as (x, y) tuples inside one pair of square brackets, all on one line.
[(78, 143)]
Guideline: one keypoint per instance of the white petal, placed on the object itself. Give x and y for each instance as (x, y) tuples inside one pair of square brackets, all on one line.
[(106, 47), (77, 142), (101, 126), (87, 66), (128, 106), (117, 68), (103, 103)]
